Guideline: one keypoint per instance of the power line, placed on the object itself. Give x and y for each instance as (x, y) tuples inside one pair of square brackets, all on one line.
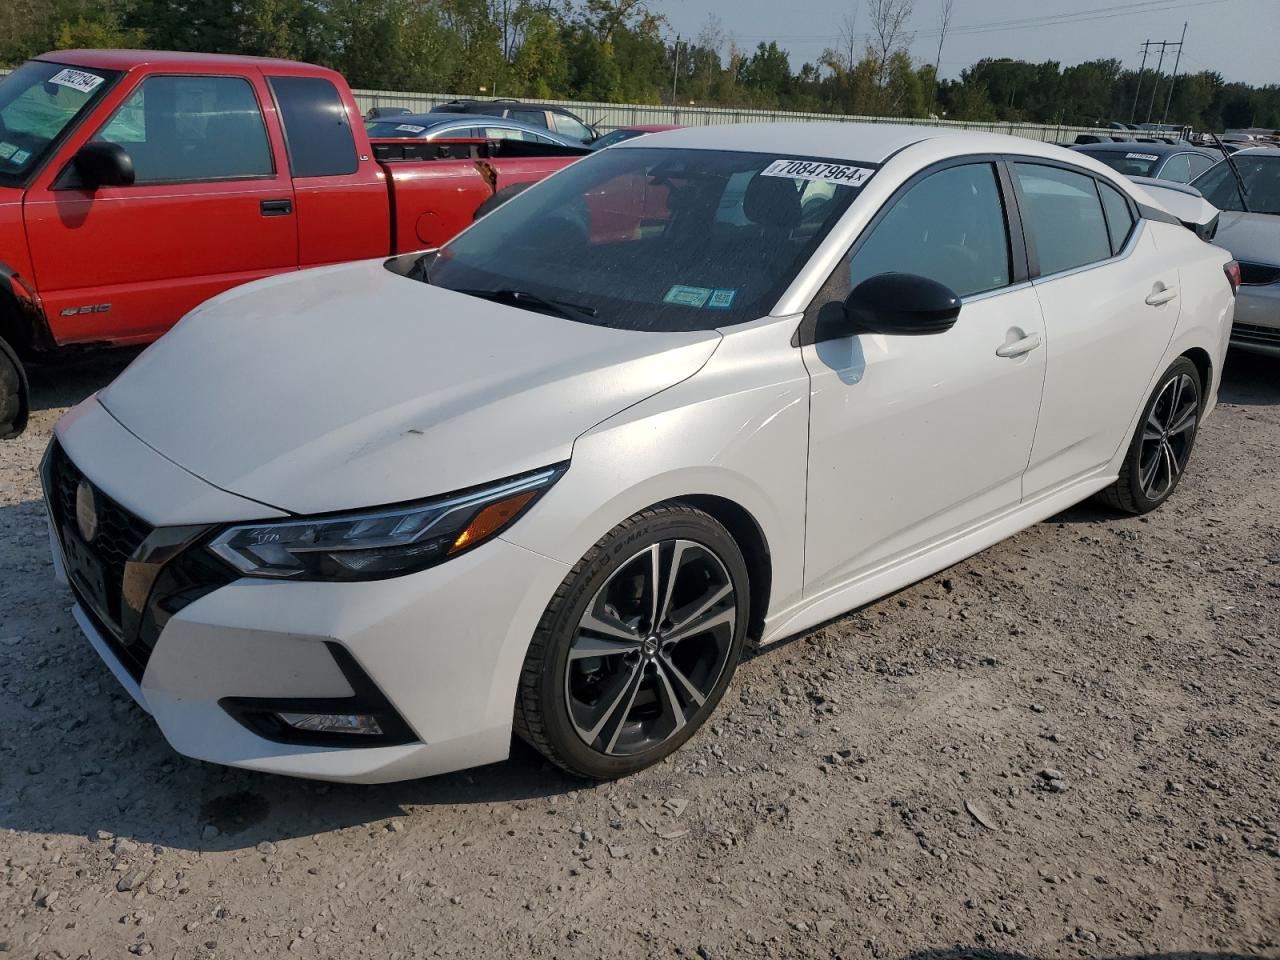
[(1024, 23)]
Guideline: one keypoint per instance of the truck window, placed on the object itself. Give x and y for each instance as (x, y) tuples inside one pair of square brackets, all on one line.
[(316, 129), (183, 129)]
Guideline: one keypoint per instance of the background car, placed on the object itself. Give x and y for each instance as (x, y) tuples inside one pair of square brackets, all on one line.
[(1179, 162), (623, 134), (1253, 237), (430, 126), (562, 121)]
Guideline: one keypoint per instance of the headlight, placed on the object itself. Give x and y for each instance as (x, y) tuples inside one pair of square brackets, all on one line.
[(381, 543)]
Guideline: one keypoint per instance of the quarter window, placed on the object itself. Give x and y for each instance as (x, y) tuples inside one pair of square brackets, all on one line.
[(316, 128), (1064, 217), (1119, 216), (1177, 168), (1199, 164), (188, 129), (949, 227)]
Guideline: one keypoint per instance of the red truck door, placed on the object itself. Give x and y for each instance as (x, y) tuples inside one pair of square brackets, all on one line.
[(211, 208), (341, 192)]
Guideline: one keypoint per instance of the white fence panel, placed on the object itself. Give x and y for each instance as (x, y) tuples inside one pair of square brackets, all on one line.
[(609, 116)]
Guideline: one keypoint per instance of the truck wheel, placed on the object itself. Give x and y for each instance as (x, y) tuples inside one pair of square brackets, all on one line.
[(14, 402), (499, 198)]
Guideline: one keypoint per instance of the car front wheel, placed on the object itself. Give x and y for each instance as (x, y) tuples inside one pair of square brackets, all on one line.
[(637, 646), (1161, 445)]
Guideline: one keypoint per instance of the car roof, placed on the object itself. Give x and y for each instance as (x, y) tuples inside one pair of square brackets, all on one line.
[(128, 59), (471, 120), (852, 142), (1137, 146)]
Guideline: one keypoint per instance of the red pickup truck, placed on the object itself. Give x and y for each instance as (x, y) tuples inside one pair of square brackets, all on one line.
[(136, 184)]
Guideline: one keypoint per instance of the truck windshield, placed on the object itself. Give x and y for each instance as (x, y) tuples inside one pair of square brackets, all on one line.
[(656, 239), (38, 104)]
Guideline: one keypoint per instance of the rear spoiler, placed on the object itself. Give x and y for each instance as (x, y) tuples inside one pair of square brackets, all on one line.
[(1181, 203), (469, 149)]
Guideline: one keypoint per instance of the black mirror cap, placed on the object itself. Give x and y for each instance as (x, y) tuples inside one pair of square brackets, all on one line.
[(902, 304), (101, 163)]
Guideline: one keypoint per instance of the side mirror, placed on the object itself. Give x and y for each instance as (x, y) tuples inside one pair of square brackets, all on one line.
[(901, 304), (104, 164)]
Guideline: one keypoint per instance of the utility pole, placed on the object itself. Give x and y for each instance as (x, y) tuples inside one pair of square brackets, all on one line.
[(675, 71), (1176, 63), (1156, 86), (1146, 45)]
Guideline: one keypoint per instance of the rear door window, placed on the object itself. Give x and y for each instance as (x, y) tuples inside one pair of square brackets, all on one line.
[(1064, 217), (537, 117), (316, 129), (180, 129)]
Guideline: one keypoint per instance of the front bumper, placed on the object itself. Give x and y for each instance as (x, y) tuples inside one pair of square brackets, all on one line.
[(443, 647), (1257, 321)]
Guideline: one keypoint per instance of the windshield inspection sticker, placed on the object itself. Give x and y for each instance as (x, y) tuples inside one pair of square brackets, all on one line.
[(722, 299), (7, 150), (1141, 156), (823, 172), (410, 128), (688, 296), (77, 80), (20, 157)]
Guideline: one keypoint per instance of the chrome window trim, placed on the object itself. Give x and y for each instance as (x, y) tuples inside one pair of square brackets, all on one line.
[(1124, 254)]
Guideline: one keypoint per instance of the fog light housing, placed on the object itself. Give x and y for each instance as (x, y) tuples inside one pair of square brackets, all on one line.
[(358, 724)]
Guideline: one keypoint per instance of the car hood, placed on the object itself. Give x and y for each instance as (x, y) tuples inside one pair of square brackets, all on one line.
[(1251, 237), (351, 386)]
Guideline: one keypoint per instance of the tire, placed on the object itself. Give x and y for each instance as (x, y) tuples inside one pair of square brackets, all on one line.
[(499, 198), (601, 694), (1161, 446), (13, 394)]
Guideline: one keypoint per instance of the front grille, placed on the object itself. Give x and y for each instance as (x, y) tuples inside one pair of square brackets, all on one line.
[(1251, 333), (118, 537), (1258, 275)]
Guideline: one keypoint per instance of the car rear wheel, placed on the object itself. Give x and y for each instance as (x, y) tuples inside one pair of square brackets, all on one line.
[(1161, 445), (637, 646)]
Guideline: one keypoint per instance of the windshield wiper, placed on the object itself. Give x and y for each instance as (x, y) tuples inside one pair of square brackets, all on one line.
[(1235, 172), (523, 298)]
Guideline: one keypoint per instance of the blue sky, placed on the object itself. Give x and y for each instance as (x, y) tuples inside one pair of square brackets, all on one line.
[(1238, 38)]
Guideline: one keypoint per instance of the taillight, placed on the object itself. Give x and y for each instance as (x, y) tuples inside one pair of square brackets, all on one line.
[(1232, 270)]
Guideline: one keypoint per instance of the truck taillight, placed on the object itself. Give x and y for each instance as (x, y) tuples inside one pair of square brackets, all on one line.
[(1232, 269)]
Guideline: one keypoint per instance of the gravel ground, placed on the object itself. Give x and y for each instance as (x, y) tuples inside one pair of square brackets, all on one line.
[(1067, 745)]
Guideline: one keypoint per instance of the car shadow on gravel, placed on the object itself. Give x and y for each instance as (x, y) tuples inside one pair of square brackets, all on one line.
[(985, 953), (67, 382), (1250, 380)]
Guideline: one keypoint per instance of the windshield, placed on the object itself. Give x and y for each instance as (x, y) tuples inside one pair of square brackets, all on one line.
[(1261, 176), (618, 136), (1135, 163), (657, 239), (38, 103)]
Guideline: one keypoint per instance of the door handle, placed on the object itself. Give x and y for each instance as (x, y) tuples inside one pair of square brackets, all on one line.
[(1019, 347), (276, 208), (1162, 296)]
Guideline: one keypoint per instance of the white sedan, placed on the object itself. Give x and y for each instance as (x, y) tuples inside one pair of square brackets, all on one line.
[(707, 388)]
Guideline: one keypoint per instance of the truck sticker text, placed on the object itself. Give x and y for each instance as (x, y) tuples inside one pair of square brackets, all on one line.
[(77, 80)]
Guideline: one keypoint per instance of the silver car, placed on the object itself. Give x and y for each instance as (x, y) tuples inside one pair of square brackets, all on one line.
[(1251, 231)]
